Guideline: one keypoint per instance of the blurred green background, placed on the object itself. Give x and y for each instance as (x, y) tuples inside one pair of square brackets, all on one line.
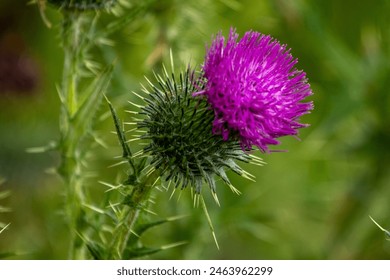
[(312, 202)]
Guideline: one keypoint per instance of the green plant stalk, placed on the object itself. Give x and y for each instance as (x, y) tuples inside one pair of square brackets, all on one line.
[(71, 167), (78, 108), (138, 200)]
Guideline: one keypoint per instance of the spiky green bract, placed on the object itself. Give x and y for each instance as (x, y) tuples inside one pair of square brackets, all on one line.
[(181, 145), (83, 5)]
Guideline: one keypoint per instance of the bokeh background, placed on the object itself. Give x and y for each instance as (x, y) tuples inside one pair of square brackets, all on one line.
[(312, 202)]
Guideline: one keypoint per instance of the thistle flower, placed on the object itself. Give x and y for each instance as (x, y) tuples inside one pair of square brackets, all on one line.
[(254, 89)]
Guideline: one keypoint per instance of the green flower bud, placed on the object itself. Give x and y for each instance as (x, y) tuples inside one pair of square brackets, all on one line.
[(180, 142)]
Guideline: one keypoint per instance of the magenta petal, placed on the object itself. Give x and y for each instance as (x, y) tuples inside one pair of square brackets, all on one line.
[(254, 89)]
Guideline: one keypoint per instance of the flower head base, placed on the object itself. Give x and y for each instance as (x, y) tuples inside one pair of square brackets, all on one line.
[(181, 145), (254, 89)]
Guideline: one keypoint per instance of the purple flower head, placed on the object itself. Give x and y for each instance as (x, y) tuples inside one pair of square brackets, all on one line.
[(254, 89)]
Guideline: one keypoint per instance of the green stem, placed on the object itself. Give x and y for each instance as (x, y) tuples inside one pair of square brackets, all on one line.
[(131, 220), (72, 37), (70, 168), (137, 201)]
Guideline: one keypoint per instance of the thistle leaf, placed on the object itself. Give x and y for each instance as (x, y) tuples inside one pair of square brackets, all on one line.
[(89, 103), (142, 228), (126, 152), (121, 135)]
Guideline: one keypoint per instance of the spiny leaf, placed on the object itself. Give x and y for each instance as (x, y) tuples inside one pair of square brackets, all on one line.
[(92, 97), (142, 228), (126, 152)]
